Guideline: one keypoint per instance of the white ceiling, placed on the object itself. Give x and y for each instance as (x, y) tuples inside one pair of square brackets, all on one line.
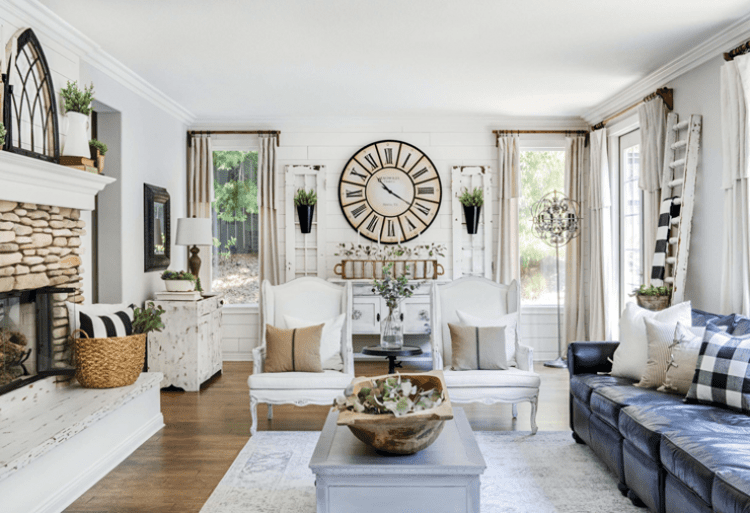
[(238, 61)]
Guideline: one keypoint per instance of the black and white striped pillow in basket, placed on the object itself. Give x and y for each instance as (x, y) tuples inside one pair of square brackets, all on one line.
[(668, 211), (117, 324), (722, 373)]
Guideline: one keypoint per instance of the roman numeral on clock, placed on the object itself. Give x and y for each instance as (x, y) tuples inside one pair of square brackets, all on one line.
[(403, 166), (419, 173), (391, 229), (411, 225), (389, 156), (425, 190), (372, 224), (423, 208), (359, 210), (371, 160), (354, 194), (355, 173)]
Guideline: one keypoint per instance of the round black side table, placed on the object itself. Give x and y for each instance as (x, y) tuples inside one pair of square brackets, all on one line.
[(392, 354)]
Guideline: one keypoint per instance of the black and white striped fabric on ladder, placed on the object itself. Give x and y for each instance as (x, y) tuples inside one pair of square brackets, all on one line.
[(668, 211)]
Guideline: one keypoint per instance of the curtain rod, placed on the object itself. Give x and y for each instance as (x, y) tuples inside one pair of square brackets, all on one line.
[(664, 92), (740, 50), (498, 133), (277, 133)]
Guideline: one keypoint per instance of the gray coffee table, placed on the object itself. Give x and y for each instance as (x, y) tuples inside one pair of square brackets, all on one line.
[(444, 478)]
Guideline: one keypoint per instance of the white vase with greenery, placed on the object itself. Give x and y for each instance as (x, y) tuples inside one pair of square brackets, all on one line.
[(78, 108)]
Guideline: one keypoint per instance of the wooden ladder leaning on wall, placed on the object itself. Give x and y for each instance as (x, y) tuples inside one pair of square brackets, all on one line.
[(680, 165)]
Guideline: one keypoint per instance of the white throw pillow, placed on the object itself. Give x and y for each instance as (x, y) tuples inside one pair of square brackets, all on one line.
[(509, 321), (684, 358), (330, 340), (631, 355)]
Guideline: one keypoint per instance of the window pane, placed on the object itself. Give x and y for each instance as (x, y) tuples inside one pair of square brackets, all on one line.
[(235, 226), (632, 220), (541, 173)]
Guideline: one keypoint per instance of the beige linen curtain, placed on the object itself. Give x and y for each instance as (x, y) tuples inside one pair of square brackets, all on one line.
[(735, 277), (508, 266), (200, 194), (601, 302), (574, 313), (652, 118), (269, 243)]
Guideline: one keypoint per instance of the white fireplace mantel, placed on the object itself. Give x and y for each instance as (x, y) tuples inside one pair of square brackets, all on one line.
[(28, 180)]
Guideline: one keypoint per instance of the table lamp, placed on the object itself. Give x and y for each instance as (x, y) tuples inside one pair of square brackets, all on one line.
[(194, 231)]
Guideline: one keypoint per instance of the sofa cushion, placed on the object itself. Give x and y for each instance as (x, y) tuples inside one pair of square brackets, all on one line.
[(582, 385), (701, 318), (512, 377), (644, 424), (327, 380), (606, 402), (693, 458), (731, 491)]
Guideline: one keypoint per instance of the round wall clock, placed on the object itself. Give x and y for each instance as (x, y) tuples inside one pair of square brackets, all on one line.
[(390, 192)]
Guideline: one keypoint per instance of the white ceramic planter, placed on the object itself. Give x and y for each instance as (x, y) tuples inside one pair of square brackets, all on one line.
[(179, 285), (77, 136)]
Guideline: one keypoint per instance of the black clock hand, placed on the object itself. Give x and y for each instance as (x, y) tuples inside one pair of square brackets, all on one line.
[(391, 192)]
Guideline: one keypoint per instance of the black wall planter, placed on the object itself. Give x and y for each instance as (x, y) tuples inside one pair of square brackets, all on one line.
[(472, 218), (305, 213)]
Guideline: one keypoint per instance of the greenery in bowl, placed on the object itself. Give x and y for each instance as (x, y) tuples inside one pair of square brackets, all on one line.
[(652, 291), (474, 198), (305, 198), (99, 146), (2, 134), (177, 275), (148, 319), (77, 100)]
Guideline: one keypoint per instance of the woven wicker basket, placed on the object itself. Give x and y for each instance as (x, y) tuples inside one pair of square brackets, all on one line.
[(109, 362), (654, 303)]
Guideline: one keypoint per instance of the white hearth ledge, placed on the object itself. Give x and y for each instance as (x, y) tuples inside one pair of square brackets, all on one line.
[(28, 180)]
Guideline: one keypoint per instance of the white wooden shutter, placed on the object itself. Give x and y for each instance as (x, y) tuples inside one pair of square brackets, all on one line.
[(305, 253), (472, 254)]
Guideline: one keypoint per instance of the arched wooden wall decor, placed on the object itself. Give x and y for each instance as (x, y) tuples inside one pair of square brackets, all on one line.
[(29, 110)]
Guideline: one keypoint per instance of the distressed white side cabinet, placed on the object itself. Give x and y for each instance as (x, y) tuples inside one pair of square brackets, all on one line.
[(188, 350)]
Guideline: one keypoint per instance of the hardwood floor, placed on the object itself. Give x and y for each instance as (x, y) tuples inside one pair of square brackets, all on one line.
[(177, 469)]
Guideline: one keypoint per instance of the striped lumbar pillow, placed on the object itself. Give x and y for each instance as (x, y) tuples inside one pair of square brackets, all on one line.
[(660, 337), (116, 324)]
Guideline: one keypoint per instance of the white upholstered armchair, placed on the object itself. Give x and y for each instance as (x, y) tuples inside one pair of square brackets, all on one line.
[(483, 299), (305, 299)]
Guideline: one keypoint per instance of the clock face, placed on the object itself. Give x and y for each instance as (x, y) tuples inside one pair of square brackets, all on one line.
[(390, 192)]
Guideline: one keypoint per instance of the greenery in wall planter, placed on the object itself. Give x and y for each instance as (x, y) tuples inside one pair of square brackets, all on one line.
[(148, 319), (472, 202), (179, 281), (3, 132), (98, 150), (77, 107), (652, 298), (305, 202)]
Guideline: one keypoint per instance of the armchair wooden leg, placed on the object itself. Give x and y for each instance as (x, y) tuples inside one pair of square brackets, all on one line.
[(270, 412), (515, 410), (253, 415), (534, 427)]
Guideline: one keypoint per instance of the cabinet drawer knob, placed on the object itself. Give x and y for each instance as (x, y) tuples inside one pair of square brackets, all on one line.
[(377, 317)]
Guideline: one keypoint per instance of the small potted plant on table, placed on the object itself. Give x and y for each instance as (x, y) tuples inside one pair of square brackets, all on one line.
[(653, 298), (179, 281), (305, 203), (77, 108), (98, 150), (472, 203)]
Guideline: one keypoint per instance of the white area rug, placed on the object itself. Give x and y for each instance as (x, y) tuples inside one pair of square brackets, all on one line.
[(547, 472)]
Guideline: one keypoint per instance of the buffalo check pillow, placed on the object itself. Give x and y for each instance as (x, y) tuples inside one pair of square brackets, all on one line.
[(722, 374)]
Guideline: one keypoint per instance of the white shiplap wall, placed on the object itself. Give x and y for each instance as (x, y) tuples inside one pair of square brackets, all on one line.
[(331, 145)]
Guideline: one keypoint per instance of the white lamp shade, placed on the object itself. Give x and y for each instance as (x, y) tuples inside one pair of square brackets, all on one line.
[(194, 231)]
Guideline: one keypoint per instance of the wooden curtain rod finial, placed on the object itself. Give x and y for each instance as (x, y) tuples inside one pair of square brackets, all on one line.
[(740, 50)]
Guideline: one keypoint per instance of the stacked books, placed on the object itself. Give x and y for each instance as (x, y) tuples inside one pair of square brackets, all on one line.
[(193, 295), (82, 163)]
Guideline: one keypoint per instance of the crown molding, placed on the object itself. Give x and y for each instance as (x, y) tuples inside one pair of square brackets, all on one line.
[(48, 23), (723, 41)]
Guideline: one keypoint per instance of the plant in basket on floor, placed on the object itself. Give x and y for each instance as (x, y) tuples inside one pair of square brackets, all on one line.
[(305, 203), (179, 281), (652, 298), (393, 290), (472, 203)]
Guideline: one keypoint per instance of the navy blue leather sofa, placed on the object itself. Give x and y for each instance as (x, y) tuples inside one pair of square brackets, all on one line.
[(667, 455)]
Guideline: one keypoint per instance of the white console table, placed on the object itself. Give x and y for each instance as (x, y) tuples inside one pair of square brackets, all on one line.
[(188, 350)]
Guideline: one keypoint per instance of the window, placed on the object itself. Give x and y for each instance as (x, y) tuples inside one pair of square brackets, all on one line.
[(631, 215), (235, 226), (541, 172)]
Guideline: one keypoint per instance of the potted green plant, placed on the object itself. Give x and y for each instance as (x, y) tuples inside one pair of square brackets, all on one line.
[(77, 107), (653, 298), (3, 132), (393, 290), (305, 202), (147, 319), (472, 203), (178, 281), (98, 150)]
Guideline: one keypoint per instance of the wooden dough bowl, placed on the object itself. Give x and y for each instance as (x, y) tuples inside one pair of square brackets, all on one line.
[(400, 435)]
